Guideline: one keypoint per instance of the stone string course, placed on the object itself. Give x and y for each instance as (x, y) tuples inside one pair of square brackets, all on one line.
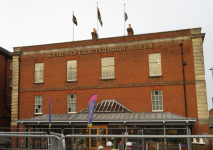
[(109, 86)]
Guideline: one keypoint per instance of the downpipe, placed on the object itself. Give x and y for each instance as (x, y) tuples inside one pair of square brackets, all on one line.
[(184, 63)]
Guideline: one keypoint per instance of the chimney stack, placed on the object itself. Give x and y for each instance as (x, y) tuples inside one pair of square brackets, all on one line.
[(130, 30), (94, 34)]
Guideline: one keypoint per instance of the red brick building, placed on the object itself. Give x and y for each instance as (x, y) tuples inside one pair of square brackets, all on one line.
[(211, 113), (154, 80), (5, 88)]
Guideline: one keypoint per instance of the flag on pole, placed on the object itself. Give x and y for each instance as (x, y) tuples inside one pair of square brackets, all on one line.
[(91, 107), (125, 16), (99, 17), (75, 20), (49, 113)]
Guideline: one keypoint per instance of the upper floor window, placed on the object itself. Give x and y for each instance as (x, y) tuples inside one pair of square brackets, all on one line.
[(72, 70), (157, 100), (71, 100), (39, 72), (155, 64), (107, 67), (11, 66), (11, 82), (38, 104)]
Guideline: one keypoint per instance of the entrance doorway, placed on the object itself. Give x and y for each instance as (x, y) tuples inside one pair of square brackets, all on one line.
[(94, 143)]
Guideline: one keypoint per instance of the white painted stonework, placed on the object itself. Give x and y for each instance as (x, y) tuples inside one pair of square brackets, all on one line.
[(199, 70)]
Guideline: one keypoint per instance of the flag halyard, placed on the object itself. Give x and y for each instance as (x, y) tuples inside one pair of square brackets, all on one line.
[(75, 20), (99, 17)]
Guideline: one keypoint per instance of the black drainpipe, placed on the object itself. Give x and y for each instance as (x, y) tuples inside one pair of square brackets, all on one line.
[(5, 86), (183, 63), (18, 97)]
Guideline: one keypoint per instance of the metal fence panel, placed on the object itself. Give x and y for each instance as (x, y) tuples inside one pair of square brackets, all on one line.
[(29, 141)]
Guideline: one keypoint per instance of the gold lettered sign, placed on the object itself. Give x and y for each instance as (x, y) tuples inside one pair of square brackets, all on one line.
[(101, 50)]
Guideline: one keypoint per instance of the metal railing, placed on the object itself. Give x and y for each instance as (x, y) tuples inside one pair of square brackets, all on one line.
[(57, 141), (22, 141), (133, 136)]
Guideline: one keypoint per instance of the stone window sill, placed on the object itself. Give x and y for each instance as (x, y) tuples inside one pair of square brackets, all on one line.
[(157, 110), (108, 79), (39, 83), (72, 81), (158, 76), (38, 114)]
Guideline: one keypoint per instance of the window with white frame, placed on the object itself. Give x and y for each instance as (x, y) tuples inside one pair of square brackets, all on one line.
[(71, 100), (38, 104), (11, 82), (157, 100), (107, 67), (155, 64), (11, 66), (39, 72), (72, 70)]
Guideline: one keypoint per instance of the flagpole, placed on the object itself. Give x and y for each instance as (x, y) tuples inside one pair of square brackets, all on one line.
[(124, 19), (97, 20), (73, 24)]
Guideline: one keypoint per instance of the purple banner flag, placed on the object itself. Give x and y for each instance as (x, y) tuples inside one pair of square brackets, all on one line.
[(91, 107), (50, 113)]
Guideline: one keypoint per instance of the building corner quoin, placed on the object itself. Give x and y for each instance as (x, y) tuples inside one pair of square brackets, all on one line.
[(15, 87), (199, 70)]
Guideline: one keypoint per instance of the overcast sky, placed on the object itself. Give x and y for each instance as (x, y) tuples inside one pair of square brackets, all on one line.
[(35, 22)]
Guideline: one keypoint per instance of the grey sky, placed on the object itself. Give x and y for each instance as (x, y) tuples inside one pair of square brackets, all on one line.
[(35, 22)]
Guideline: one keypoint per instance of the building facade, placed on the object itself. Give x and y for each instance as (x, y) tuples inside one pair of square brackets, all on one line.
[(150, 82), (5, 88)]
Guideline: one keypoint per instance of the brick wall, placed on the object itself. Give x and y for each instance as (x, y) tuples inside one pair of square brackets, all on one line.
[(4, 112), (132, 85), (211, 113), (130, 67), (141, 37)]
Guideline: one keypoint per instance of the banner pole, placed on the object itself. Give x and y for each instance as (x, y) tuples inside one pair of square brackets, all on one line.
[(97, 21), (73, 24), (124, 19)]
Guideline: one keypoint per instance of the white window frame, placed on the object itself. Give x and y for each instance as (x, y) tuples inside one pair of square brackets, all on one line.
[(103, 66), (11, 83), (11, 66), (72, 101), (72, 70), (154, 101), (157, 62), (39, 73), (39, 103)]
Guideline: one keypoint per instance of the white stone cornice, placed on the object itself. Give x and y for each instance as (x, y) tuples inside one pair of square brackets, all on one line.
[(202, 35)]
